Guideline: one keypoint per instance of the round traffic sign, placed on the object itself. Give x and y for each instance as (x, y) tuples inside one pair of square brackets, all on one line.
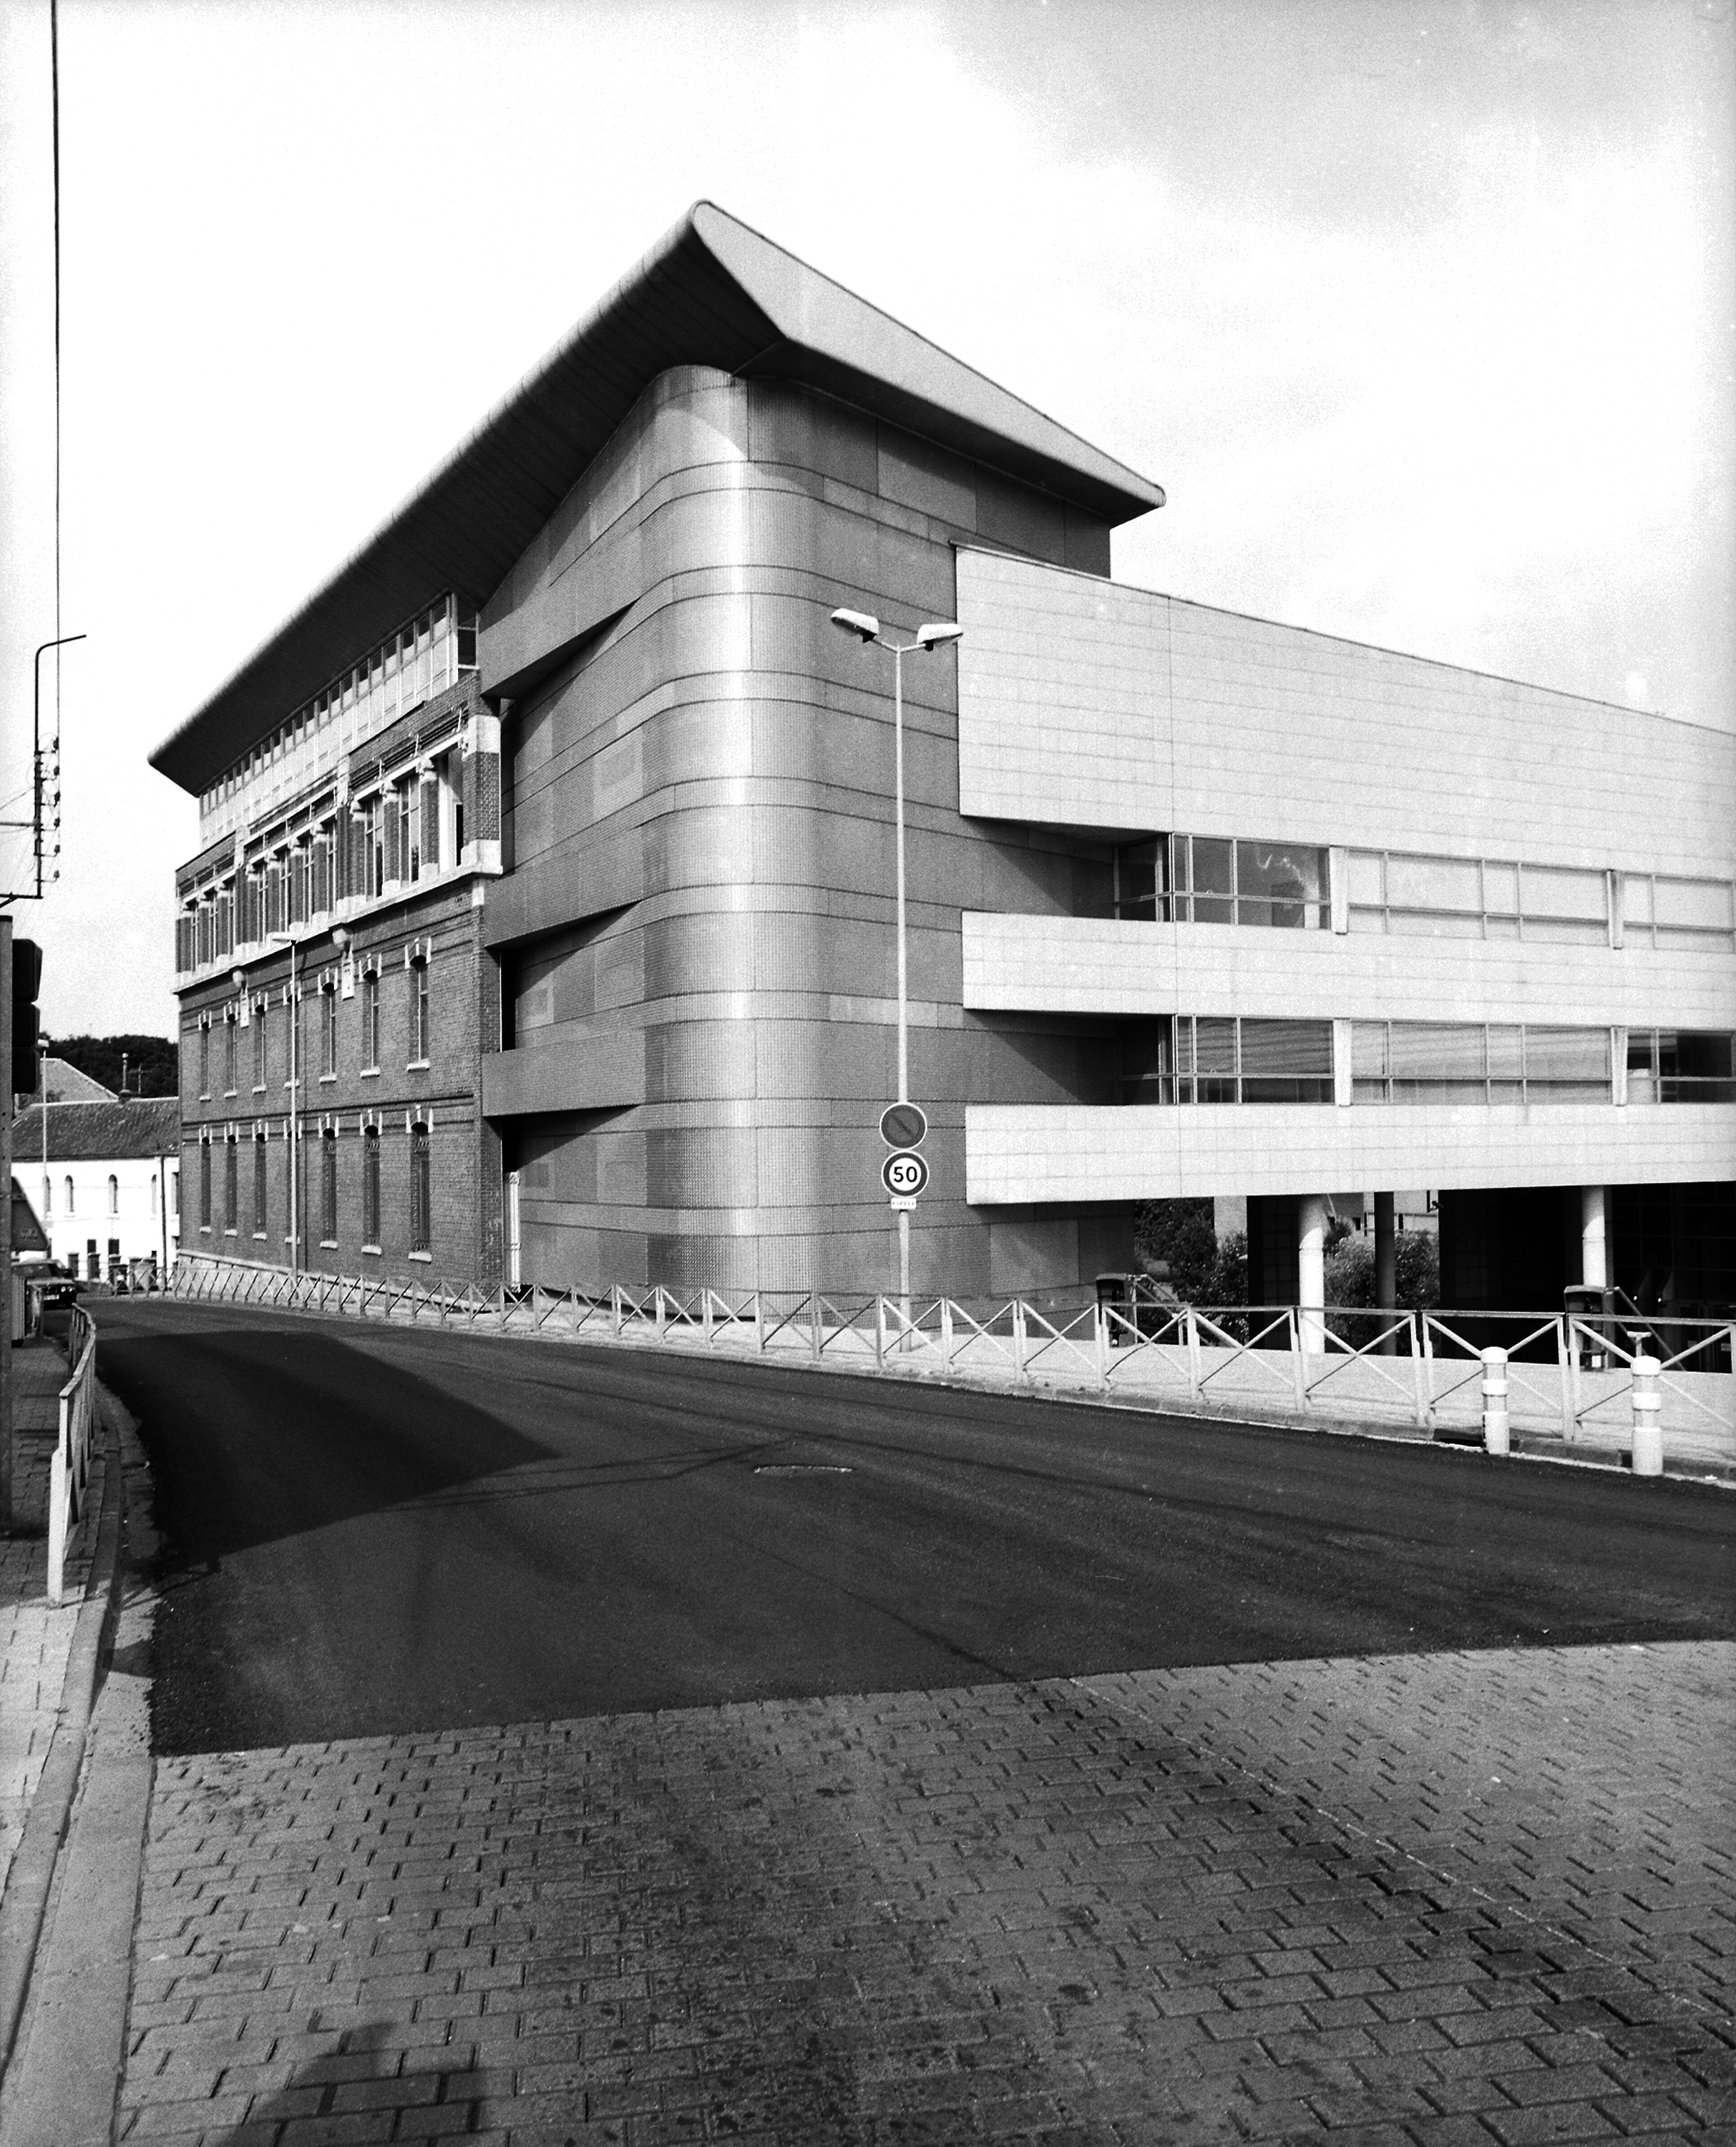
[(903, 1125), (904, 1174)]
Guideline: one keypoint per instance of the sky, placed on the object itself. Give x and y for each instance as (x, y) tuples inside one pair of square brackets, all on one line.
[(1420, 311)]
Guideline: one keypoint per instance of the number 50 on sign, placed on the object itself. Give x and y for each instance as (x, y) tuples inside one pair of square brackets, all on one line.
[(904, 1174)]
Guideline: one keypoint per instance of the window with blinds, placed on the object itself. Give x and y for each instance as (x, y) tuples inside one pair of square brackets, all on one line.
[(1426, 1062), (1486, 899)]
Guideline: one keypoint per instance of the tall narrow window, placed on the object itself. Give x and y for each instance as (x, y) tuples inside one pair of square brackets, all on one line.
[(328, 1186), (259, 1167), (69, 1196), (204, 1185), (329, 1030), (232, 1220), (419, 1014), (259, 1052), (370, 1188), (114, 1194), (204, 1058), (371, 1019), (421, 1205), (229, 1025)]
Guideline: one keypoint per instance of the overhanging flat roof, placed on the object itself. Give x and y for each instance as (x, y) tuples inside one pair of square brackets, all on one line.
[(710, 292)]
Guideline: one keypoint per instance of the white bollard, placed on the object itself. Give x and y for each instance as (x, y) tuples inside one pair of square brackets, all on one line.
[(1494, 1402), (1648, 1432)]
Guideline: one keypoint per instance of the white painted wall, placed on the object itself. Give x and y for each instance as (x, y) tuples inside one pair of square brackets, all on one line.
[(133, 1213)]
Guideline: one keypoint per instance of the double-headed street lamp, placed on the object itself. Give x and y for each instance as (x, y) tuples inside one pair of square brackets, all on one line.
[(866, 627)]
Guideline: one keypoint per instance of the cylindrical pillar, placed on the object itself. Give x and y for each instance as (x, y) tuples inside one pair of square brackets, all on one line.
[(1311, 1271), (1594, 1250), (1494, 1402), (1386, 1268), (1647, 1430)]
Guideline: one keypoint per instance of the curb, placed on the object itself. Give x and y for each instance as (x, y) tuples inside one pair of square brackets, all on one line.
[(32, 1875), (1532, 1446)]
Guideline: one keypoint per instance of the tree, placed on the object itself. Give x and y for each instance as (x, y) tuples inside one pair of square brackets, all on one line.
[(153, 1062), (1177, 1243), (1350, 1272)]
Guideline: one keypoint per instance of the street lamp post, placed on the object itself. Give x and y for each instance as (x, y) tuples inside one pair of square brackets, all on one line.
[(866, 627), (41, 1091)]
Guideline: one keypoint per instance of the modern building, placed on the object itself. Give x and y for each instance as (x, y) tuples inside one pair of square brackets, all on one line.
[(558, 830), (106, 1183)]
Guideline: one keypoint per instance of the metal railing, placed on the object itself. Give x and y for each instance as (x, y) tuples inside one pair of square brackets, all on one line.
[(69, 1471), (1568, 1378)]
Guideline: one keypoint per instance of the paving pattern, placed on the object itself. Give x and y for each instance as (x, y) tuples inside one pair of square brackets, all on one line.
[(1479, 1897)]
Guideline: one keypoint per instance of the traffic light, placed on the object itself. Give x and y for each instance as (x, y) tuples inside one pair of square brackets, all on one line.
[(26, 981)]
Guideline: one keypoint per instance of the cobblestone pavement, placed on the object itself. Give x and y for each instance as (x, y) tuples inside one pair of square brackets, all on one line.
[(1432, 1899), (35, 1639)]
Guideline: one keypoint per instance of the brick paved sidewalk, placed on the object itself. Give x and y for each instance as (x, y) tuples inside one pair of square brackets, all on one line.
[(1426, 1900), (35, 1639)]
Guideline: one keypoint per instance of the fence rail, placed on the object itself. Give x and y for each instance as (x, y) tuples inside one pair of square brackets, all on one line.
[(69, 1471), (1568, 1378)]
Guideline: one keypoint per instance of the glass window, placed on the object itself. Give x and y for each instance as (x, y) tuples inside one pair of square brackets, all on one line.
[(1571, 1063), (1501, 889), (328, 1028), (1286, 1062), (328, 1186), (418, 1012), (1434, 883), (231, 1204), (1687, 1066), (1147, 1062), (70, 1208), (1365, 878), (1212, 878), (371, 1187), (1136, 876), (1550, 891), (421, 1205), (259, 1171), (1693, 905), (204, 1185), (371, 1019), (114, 1194), (1281, 884)]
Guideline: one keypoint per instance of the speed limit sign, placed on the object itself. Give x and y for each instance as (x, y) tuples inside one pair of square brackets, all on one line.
[(904, 1174)]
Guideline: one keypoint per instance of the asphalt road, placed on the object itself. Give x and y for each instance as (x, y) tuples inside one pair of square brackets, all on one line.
[(369, 1531)]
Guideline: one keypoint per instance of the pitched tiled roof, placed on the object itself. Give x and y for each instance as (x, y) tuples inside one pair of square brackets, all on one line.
[(100, 1133), (68, 1084)]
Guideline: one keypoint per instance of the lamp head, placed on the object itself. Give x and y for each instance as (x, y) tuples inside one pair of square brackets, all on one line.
[(862, 624), (943, 630), (238, 978), (340, 938)]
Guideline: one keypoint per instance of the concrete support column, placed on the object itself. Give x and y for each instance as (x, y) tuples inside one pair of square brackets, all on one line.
[(1593, 1248), (1386, 1266), (1311, 1271)]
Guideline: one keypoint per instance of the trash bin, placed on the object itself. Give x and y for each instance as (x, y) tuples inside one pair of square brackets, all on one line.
[(1605, 1314), (1115, 1293)]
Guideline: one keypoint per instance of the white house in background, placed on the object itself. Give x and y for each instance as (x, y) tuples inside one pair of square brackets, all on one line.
[(109, 1190)]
